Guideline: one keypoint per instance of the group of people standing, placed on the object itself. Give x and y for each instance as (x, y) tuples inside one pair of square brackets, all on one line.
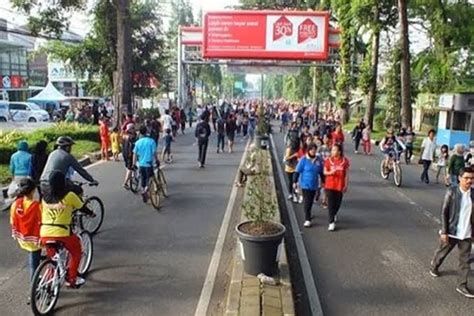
[(316, 167)]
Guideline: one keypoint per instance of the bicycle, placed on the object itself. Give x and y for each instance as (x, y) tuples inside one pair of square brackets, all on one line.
[(392, 165), (95, 204), (157, 186), (51, 274)]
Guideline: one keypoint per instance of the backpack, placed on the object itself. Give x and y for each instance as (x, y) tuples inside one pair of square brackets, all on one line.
[(201, 131)]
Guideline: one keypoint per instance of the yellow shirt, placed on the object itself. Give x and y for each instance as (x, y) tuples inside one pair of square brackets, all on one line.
[(115, 140), (26, 245), (59, 214)]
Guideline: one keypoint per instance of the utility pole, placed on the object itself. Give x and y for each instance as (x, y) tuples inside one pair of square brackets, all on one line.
[(180, 70)]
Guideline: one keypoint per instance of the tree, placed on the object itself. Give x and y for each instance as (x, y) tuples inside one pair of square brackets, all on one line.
[(406, 111), (53, 19)]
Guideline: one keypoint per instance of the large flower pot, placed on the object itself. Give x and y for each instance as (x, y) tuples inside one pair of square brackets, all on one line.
[(260, 254), (262, 141)]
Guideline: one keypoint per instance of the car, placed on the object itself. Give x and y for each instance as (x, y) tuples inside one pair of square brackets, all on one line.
[(4, 113), (27, 112)]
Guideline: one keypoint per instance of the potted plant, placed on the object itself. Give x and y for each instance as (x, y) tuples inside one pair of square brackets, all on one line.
[(260, 237), (261, 136)]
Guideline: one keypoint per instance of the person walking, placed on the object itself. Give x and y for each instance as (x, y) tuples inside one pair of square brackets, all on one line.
[(168, 139), (190, 117), (202, 133), (38, 159), (457, 222), (128, 144), (455, 164), (221, 129), (366, 137), (442, 162), (291, 161), (427, 155), (230, 128), (357, 135), (182, 117), (310, 170), (104, 138), (336, 182)]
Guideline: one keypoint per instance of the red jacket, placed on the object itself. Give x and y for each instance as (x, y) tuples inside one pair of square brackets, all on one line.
[(26, 223)]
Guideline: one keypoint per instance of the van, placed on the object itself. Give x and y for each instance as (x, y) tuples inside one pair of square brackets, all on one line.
[(27, 112), (4, 113)]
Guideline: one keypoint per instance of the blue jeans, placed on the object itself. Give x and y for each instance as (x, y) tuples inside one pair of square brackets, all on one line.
[(34, 258), (454, 180)]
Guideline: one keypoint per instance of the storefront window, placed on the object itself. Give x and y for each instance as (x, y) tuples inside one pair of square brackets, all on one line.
[(461, 121)]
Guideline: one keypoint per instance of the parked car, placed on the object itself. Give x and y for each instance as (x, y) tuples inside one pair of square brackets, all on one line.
[(27, 112), (4, 113)]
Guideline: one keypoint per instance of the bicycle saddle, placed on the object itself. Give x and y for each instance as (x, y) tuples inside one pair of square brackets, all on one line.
[(54, 244)]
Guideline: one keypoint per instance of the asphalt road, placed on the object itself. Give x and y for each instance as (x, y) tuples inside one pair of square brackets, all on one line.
[(145, 262), (377, 261)]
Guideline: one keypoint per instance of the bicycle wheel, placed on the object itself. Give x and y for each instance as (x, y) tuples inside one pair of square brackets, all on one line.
[(154, 193), (134, 181), (92, 224), (397, 174), (383, 171), (45, 288), (163, 183), (87, 252)]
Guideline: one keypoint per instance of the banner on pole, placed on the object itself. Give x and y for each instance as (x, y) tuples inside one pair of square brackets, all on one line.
[(291, 35)]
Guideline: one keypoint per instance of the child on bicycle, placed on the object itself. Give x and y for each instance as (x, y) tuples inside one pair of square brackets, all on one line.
[(25, 220), (58, 206), (167, 148)]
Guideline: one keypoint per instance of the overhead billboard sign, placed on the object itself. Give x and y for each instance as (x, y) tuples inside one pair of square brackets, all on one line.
[(266, 35), (191, 35)]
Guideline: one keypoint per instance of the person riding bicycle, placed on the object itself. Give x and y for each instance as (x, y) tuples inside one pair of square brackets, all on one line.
[(62, 160), (145, 154), (391, 146), (58, 205)]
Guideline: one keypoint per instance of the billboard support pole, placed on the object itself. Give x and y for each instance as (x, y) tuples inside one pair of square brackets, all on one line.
[(180, 71), (261, 87)]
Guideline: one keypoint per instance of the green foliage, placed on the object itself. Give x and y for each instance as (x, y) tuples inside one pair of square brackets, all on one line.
[(148, 113), (5, 175), (260, 206), (97, 55), (262, 126), (78, 132), (379, 121)]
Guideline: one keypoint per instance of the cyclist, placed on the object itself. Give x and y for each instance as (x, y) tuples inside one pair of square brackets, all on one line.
[(145, 154), (62, 160), (389, 146), (58, 205)]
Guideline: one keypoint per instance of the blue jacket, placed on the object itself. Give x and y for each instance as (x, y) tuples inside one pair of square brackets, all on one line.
[(20, 163), (310, 172)]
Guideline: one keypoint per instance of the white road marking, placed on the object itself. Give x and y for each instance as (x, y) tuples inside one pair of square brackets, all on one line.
[(206, 292)]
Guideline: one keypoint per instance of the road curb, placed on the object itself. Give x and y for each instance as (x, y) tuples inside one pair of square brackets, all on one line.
[(309, 283), (248, 295)]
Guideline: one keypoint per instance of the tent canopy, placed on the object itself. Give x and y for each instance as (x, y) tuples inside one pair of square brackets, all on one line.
[(49, 93)]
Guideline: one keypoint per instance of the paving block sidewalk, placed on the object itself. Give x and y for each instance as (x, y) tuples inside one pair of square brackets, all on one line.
[(247, 296)]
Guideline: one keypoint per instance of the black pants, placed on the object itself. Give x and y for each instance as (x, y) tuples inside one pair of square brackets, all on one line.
[(220, 141), (245, 128), (308, 198), (291, 181), (202, 150), (357, 143), (334, 203), (426, 168), (464, 247), (145, 174)]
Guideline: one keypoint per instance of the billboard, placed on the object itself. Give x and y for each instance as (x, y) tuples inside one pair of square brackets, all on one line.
[(266, 35)]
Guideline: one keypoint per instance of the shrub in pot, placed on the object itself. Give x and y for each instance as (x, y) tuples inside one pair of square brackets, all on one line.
[(261, 136), (260, 237)]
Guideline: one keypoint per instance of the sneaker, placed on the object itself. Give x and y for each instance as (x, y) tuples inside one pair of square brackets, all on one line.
[(465, 291), (434, 272), (332, 227), (300, 201), (79, 281), (307, 224), (144, 197), (295, 199), (356, 152), (290, 196)]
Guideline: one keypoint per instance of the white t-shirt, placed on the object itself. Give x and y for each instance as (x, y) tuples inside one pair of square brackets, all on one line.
[(429, 147), (166, 120), (463, 230)]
